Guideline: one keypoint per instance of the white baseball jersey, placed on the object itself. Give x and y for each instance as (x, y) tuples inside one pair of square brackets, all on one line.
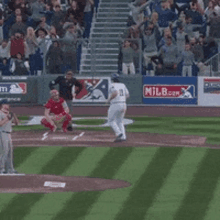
[(122, 92)]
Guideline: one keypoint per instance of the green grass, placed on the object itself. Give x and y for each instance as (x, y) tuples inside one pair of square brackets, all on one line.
[(23, 117), (142, 195), (89, 121), (166, 183), (200, 193), (106, 168)]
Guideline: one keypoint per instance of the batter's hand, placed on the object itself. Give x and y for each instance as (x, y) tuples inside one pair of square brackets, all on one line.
[(10, 115)]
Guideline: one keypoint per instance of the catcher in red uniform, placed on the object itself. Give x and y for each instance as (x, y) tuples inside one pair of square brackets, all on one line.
[(56, 111)]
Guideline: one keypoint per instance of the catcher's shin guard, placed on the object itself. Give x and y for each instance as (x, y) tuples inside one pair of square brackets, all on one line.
[(68, 118), (47, 124)]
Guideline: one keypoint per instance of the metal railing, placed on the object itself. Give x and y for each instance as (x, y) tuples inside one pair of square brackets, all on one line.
[(212, 65)]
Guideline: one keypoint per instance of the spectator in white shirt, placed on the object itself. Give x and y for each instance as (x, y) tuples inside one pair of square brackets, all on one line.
[(4, 50)]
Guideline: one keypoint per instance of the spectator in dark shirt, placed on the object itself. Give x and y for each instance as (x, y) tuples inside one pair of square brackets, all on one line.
[(150, 47), (169, 58), (194, 14), (70, 45), (54, 57), (37, 7), (32, 46), (43, 24), (67, 89), (188, 60), (74, 13), (214, 26), (4, 67), (165, 15), (88, 13), (19, 26), (48, 13), (197, 49), (14, 4), (58, 20), (9, 21), (20, 66), (18, 11)]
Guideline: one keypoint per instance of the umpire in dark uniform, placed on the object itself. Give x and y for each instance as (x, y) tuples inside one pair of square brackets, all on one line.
[(67, 89)]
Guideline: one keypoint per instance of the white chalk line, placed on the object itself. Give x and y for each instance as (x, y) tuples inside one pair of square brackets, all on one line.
[(44, 136), (77, 136), (81, 134)]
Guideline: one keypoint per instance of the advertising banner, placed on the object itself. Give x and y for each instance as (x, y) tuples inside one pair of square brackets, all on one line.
[(209, 91), (95, 89), (170, 90), (18, 90)]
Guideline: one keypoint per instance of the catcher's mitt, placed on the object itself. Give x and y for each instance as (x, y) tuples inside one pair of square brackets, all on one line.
[(10, 115), (59, 118)]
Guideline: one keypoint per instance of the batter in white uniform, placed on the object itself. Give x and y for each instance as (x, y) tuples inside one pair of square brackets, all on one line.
[(116, 112)]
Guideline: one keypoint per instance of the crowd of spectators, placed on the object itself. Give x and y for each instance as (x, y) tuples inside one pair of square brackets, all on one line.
[(173, 37), (42, 33)]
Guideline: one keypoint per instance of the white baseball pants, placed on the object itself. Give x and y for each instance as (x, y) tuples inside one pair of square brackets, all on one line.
[(116, 113), (187, 70), (128, 66), (6, 152)]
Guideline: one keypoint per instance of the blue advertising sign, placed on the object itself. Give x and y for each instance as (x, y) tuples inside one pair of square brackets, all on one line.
[(170, 90)]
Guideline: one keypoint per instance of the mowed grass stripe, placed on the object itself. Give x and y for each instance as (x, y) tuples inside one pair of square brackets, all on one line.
[(21, 154), (62, 160), (48, 206), (80, 203), (201, 190), (142, 195), (110, 201), (169, 198), (21, 204), (32, 164), (87, 162), (21, 163), (38, 159), (213, 211)]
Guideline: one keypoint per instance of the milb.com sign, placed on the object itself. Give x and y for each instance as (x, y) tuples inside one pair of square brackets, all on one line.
[(169, 91), (13, 88)]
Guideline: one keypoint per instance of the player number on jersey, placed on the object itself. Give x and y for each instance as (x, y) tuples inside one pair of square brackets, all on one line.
[(121, 92)]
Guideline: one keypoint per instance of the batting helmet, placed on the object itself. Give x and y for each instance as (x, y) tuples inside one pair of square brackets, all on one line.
[(3, 101), (114, 76)]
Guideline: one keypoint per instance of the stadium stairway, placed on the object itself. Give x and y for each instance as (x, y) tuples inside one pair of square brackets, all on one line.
[(100, 55)]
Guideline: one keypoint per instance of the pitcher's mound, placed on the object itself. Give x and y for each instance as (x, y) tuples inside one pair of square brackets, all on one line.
[(51, 183)]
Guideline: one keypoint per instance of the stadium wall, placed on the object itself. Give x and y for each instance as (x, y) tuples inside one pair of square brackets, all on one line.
[(144, 91)]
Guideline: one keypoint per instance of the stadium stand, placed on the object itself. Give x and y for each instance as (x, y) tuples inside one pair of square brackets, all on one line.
[(179, 37), (43, 35), (148, 37)]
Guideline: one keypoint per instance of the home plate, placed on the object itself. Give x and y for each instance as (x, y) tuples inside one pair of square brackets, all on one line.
[(59, 138)]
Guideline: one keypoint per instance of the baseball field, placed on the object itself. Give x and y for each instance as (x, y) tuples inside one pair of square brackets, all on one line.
[(166, 183)]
